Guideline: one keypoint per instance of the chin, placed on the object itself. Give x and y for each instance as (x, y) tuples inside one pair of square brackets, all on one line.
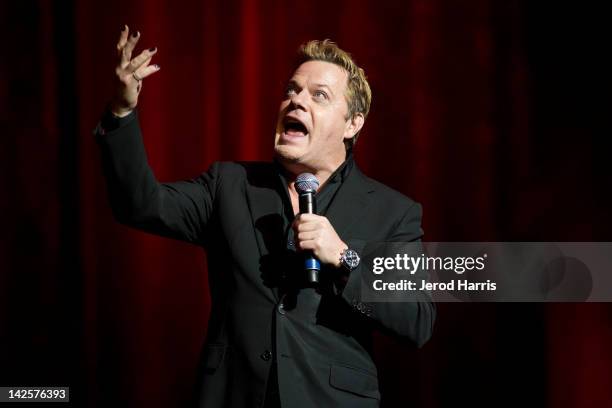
[(288, 153)]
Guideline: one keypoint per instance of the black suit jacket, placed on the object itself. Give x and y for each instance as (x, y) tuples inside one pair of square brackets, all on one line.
[(320, 340)]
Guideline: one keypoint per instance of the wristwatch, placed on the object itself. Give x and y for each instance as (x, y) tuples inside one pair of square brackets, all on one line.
[(349, 259)]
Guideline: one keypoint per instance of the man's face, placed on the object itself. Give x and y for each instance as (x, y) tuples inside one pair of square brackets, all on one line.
[(312, 122)]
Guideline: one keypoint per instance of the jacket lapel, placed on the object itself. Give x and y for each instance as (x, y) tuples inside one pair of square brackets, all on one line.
[(265, 206)]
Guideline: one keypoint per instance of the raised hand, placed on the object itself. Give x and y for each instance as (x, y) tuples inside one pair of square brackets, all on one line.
[(130, 72)]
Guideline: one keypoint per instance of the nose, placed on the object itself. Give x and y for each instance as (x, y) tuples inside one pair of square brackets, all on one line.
[(297, 101)]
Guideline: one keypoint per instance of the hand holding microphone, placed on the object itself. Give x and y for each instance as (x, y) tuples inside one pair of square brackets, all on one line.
[(314, 233)]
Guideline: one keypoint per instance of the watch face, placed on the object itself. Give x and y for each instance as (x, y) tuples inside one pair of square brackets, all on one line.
[(351, 259)]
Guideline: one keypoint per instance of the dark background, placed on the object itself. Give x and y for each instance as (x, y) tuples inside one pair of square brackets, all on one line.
[(494, 115)]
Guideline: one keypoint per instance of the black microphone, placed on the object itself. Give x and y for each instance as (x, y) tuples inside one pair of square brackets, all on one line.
[(306, 186)]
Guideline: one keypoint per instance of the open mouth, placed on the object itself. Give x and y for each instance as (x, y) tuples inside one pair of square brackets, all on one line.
[(294, 127)]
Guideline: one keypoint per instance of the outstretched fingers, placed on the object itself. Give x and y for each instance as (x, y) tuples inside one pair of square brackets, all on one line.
[(123, 38), (142, 60), (145, 71), (128, 48), (129, 72)]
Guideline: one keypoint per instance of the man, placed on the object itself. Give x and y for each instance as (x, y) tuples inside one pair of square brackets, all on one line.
[(273, 339)]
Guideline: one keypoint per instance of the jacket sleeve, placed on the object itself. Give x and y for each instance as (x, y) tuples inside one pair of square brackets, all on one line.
[(409, 317), (179, 210)]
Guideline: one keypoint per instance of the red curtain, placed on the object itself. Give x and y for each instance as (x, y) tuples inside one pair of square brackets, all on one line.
[(488, 113)]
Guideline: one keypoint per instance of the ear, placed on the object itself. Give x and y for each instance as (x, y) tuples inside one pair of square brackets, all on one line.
[(353, 125)]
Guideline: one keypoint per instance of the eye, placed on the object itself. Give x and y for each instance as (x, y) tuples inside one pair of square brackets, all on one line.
[(290, 90), (319, 94)]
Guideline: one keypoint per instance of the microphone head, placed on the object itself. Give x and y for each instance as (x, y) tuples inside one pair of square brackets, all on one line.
[(306, 183)]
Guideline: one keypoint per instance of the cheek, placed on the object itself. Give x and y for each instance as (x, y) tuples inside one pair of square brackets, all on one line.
[(334, 127), (281, 114), (325, 124), (282, 108)]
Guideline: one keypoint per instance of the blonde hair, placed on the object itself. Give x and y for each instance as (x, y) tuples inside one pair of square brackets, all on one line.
[(358, 92)]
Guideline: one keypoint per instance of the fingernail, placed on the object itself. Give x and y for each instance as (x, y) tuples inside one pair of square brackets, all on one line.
[(152, 49), (135, 34), (123, 28), (157, 66)]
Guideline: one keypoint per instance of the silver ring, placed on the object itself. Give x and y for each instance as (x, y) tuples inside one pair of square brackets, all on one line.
[(136, 77)]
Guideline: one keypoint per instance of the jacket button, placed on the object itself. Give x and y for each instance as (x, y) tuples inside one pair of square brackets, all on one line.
[(266, 355)]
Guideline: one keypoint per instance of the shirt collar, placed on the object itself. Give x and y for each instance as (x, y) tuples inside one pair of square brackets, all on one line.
[(339, 175), (344, 170)]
